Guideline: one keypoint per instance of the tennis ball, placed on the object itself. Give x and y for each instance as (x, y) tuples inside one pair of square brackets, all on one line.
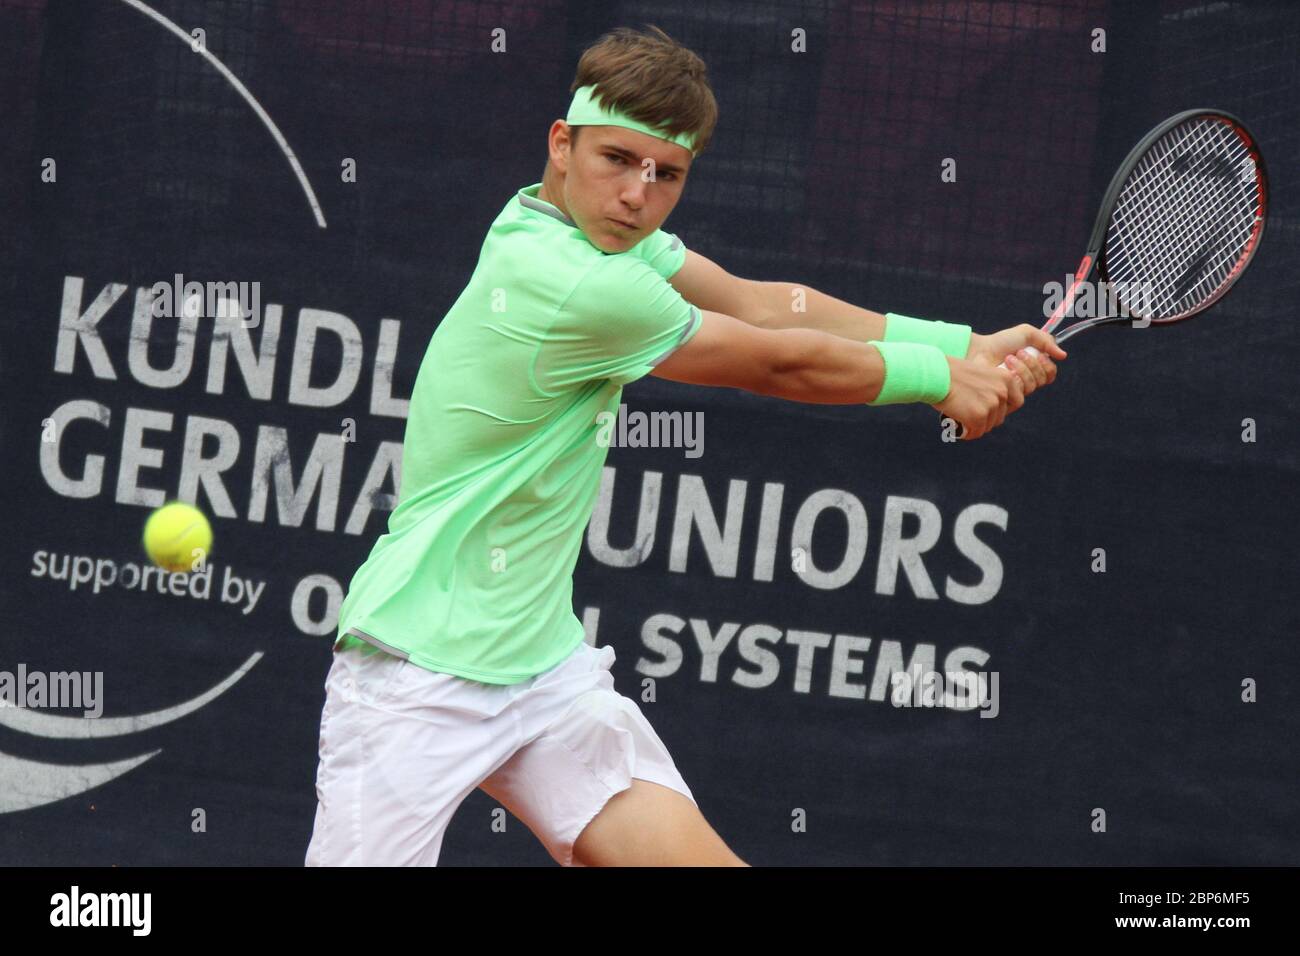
[(177, 537)]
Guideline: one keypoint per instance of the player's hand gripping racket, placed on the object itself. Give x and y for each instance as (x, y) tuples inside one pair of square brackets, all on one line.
[(1180, 222)]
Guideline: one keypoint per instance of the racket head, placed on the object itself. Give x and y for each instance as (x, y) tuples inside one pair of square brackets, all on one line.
[(1184, 215)]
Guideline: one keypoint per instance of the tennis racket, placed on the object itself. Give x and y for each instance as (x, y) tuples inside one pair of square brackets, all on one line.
[(1181, 220)]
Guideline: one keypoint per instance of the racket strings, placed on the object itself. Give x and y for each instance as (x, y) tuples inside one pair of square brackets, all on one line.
[(1167, 218), (1184, 218), (1174, 219), (1184, 226), (1200, 245), (1214, 213)]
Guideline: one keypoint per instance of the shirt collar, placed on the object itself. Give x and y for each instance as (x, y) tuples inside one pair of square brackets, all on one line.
[(528, 200)]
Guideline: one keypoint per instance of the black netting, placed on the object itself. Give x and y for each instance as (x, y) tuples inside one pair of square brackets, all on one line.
[(826, 166)]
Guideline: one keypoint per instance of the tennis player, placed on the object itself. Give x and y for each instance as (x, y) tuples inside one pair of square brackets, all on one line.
[(459, 662)]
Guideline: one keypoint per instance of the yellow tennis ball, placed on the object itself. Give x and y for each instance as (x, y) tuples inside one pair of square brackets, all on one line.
[(177, 537)]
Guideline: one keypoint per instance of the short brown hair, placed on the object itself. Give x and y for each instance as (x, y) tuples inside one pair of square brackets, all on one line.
[(652, 78)]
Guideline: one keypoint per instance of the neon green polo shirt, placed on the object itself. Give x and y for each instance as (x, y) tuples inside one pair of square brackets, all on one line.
[(501, 465)]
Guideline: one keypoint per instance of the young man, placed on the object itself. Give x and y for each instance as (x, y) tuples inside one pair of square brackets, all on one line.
[(459, 661)]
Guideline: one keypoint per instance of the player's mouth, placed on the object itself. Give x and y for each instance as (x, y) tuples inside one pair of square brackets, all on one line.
[(620, 222)]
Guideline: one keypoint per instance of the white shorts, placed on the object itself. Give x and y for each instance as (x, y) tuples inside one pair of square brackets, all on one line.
[(401, 747)]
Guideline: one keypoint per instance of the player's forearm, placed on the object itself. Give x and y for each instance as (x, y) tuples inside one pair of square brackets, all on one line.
[(794, 306), (824, 369), (787, 305)]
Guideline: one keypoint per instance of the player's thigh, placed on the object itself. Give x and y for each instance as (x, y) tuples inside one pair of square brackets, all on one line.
[(649, 824), (591, 750)]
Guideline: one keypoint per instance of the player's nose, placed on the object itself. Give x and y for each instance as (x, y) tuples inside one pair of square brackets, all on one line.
[(634, 195)]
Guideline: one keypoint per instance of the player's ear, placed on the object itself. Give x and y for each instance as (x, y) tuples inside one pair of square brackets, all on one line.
[(560, 145)]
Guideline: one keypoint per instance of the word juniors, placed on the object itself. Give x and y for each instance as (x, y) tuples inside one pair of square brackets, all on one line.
[(656, 430)]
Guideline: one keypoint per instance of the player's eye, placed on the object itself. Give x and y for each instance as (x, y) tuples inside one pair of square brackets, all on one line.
[(614, 157)]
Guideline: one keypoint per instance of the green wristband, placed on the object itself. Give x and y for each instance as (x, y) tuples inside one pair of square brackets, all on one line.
[(949, 337), (914, 372)]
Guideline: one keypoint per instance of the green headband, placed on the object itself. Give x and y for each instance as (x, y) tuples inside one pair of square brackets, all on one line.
[(585, 111)]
